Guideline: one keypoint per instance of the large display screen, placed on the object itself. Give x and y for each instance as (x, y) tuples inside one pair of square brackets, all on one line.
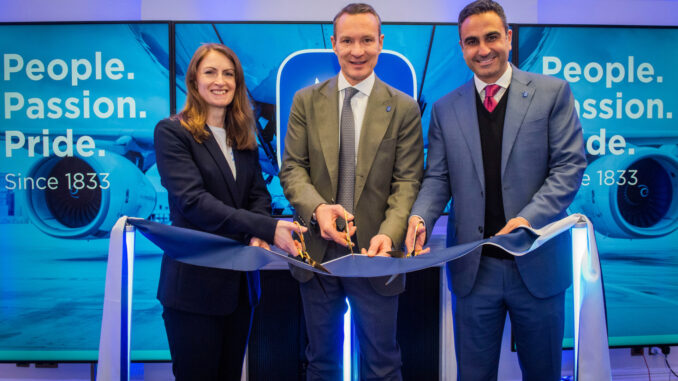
[(624, 81), (432, 51), (80, 101), (79, 106)]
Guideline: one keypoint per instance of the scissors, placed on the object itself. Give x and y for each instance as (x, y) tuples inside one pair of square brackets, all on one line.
[(349, 243), (413, 253), (305, 257)]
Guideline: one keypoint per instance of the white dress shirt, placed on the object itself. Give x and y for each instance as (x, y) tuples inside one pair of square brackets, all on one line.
[(220, 136), (504, 81)]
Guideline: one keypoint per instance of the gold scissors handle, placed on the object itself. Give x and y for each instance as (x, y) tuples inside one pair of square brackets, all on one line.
[(305, 257), (349, 243), (301, 250)]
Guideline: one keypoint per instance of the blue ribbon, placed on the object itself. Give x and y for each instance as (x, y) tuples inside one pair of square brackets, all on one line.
[(592, 362), (208, 250)]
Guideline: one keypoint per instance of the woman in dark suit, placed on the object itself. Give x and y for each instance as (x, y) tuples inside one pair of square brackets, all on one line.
[(208, 162)]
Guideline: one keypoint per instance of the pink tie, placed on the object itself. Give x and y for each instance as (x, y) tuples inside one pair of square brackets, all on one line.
[(490, 103)]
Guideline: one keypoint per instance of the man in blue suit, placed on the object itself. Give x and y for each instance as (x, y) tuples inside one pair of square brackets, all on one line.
[(507, 147)]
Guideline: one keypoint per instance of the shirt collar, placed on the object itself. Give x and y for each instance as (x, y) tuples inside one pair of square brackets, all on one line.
[(504, 81), (365, 86)]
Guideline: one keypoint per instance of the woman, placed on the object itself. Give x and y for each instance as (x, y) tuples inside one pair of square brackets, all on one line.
[(208, 162)]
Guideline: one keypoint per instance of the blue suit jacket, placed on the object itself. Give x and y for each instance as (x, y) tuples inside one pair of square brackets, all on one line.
[(542, 163), (203, 195)]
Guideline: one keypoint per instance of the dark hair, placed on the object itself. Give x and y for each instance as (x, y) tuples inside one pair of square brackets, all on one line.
[(355, 9), (239, 123), (483, 6)]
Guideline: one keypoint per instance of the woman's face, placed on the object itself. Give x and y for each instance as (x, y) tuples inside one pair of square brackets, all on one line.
[(215, 80)]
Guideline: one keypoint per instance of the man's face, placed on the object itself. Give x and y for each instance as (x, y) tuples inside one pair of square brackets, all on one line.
[(357, 43), (485, 45)]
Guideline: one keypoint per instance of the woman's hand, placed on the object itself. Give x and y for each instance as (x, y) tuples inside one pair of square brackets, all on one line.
[(258, 242), (283, 236)]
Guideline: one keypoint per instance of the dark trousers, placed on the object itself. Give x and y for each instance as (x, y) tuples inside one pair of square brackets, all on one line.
[(538, 325), (375, 318), (206, 348)]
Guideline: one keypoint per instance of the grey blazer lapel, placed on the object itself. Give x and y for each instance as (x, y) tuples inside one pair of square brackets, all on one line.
[(377, 118), (327, 123), (465, 109), (520, 95)]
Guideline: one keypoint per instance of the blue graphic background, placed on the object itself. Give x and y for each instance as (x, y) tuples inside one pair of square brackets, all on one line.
[(51, 289), (431, 49), (640, 267)]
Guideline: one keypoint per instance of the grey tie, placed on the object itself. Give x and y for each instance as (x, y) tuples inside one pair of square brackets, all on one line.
[(346, 186)]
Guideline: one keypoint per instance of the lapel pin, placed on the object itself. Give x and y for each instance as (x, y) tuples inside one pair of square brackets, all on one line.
[(524, 94), (388, 108)]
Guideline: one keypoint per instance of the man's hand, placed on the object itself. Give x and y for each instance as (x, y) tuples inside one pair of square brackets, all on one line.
[(380, 244), (416, 238), (512, 224), (327, 215), (283, 236)]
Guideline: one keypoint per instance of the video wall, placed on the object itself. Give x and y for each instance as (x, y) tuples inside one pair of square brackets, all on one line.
[(80, 102), (623, 80)]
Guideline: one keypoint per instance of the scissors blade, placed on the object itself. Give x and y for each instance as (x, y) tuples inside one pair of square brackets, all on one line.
[(319, 267), (391, 279)]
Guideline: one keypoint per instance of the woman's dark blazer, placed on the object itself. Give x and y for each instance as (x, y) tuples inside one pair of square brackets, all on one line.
[(203, 195)]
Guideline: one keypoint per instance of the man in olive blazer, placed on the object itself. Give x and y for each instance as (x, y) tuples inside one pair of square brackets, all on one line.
[(388, 171), (389, 166)]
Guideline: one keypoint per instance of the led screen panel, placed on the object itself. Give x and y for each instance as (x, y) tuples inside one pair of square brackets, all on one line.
[(623, 81), (432, 51), (79, 104), (80, 101)]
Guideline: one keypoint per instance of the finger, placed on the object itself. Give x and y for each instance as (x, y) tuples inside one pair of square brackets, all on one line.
[(421, 240), (329, 233), (295, 248), (409, 239), (294, 228), (424, 251), (337, 210), (384, 249), (372, 251), (340, 238), (506, 229)]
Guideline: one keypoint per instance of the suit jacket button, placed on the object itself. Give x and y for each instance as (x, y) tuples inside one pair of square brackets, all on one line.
[(480, 229)]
